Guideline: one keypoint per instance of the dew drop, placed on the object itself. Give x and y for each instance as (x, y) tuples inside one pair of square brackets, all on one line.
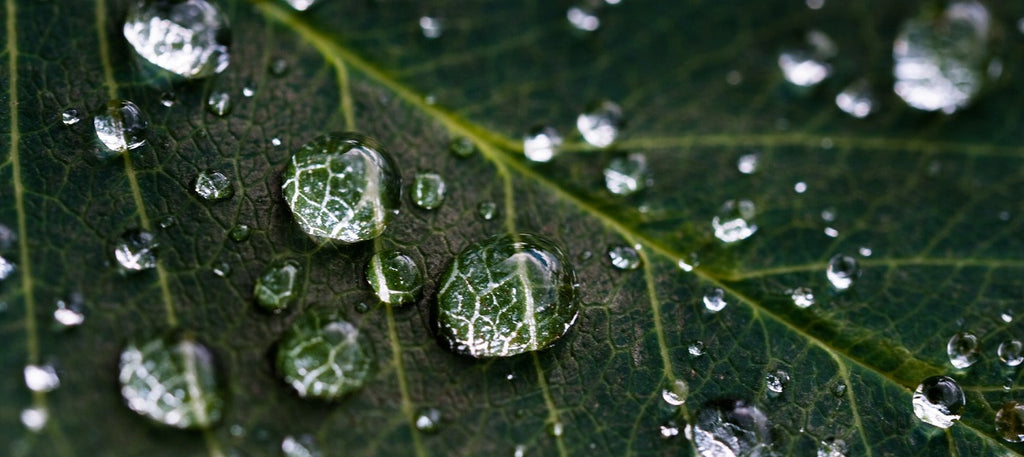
[(1006, 317), (342, 186), (135, 250), (322, 356), (362, 307), (776, 382), (487, 210), (122, 127), (696, 348), (864, 251), (275, 141), (1009, 423), (748, 163), (728, 427), (807, 65), (428, 190), (278, 67), (7, 237), (938, 401), (963, 349), (428, 420), (167, 222), (842, 271), (70, 116), (168, 99), (675, 395), (1011, 352), (172, 381), (800, 187), (624, 257), (305, 445), (832, 447), (831, 232), (520, 451), (187, 38), (857, 99), (213, 185), (41, 378), (583, 18), (733, 221), (600, 123), (277, 287), (668, 431), (68, 313), (803, 297), (35, 418), (462, 147), (222, 269), (6, 268), (240, 233), (395, 277), (432, 27), (815, 5), (541, 143), (627, 175), (248, 91), (219, 103), (301, 5), (556, 429), (714, 299)]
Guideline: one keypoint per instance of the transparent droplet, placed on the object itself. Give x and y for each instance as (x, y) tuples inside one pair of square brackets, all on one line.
[(541, 143), (940, 60), (1009, 423), (727, 427), (167, 222), (219, 103), (172, 381), (831, 232), (776, 381), (733, 221), (807, 66), (714, 299), (963, 349), (213, 185), (432, 27), (278, 67), (689, 263), (343, 186), (462, 147), (70, 116), (864, 251), (748, 163), (507, 295), (668, 430), (305, 445), (41, 378), (800, 187), (187, 38), (802, 297), (1011, 352), (240, 233), (857, 99), (6, 268), (675, 395), (68, 313), (627, 175), (35, 418), (395, 277), (520, 451), (322, 356), (135, 250), (832, 447), (168, 99), (277, 287), (248, 91), (815, 5), (556, 429), (275, 141), (624, 257), (583, 18), (487, 210), (1006, 317), (696, 348), (120, 128), (301, 5), (428, 420), (938, 401), (600, 123), (428, 190), (222, 269), (842, 271)]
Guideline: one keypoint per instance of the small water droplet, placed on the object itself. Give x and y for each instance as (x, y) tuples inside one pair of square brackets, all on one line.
[(832, 447), (395, 277), (938, 401), (322, 356), (842, 271), (462, 147), (696, 348), (68, 313), (583, 18), (831, 232), (815, 5), (240, 233), (1011, 352), (167, 222), (428, 420), (278, 67), (428, 190), (748, 163), (7, 237), (689, 263), (275, 141), (727, 427), (1009, 423), (1006, 317), (120, 128), (802, 297), (301, 5), (733, 221), (520, 451), (776, 382), (213, 185), (675, 394), (487, 210), (714, 299), (35, 418), (432, 27), (187, 38), (305, 445), (828, 214), (807, 66), (733, 78), (800, 187), (963, 349), (627, 175), (600, 123), (6, 268), (135, 250), (70, 116), (41, 378), (168, 99), (277, 287), (839, 390), (541, 143), (556, 429), (219, 103), (222, 269), (248, 91), (864, 251), (624, 257), (857, 99), (669, 431)]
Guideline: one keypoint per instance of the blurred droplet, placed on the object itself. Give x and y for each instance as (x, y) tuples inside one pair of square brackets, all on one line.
[(35, 418), (305, 445), (832, 447), (487, 210), (428, 420), (583, 17), (627, 175), (68, 313), (842, 271), (301, 5), (432, 27), (800, 187), (803, 297), (541, 143), (857, 99), (70, 116), (806, 66), (963, 349), (748, 163), (600, 123), (462, 147), (714, 299), (624, 257), (41, 378), (734, 221)]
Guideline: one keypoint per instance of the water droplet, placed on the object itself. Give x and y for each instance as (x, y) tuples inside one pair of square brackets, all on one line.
[(213, 185), (748, 163), (172, 381), (842, 271), (714, 299), (669, 431), (395, 277), (487, 210), (219, 103), (70, 116), (730, 428), (839, 390), (432, 27), (277, 287), (120, 128), (168, 99), (278, 67), (831, 232), (343, 186), (541, 143), (675, 395), (583, 18), (733, 222), (305, 445), (624, 257), (167, 222), (7, 237), (938, 401), (462, 147), (222, 269), (939, 61), (1009, 422), (627, 175), (428, 420), (187, 38), (240, 233), (322, 356), (275, 141), (802, 297), (362, 307), (857, 99), (696, 348), (733, 78), (776, 382), (1006, 317), (807, 66), (600, 123), (689, 263), (800, 187), (248, 91), (135, 250), (506, 295), (815, 5), (520, 451), (35, 418), (41, 378), (301, 5), (963, 349), (69, 313), (832, 447), (556, 429), (864, 251), (1011, 352), (428, 190), (6, 268)]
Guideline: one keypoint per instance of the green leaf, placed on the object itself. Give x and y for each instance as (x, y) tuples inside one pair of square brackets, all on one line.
[(936, 199)]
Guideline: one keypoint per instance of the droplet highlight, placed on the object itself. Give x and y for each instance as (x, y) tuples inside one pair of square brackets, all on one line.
[(857, 99), (219, 103), (1009, 423), (803, 297)]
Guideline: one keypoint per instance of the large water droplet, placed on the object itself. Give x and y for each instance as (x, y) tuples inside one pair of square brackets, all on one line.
[(187, 38), (842, 271), (714, 299), (807, 66), (963, 349), (802, 297), (41, 378), (506, 295), (395, 277), (428, 420), (278, 286), (428, 190), (303, 446), (1009, 422), (600, 123), (733, 221), (135, 250), (541, 143), (627, 175), (322, 356), (832, 447), (70, 116), (213, 185), (1011, 352), (730, 428), (857, 99), (120, 128), (343, 186), (219, 103), (938, 401), (624, 257), (172, 381), (940, 61)]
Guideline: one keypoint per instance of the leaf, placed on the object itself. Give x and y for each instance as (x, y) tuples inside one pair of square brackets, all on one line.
[(934, 197)]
